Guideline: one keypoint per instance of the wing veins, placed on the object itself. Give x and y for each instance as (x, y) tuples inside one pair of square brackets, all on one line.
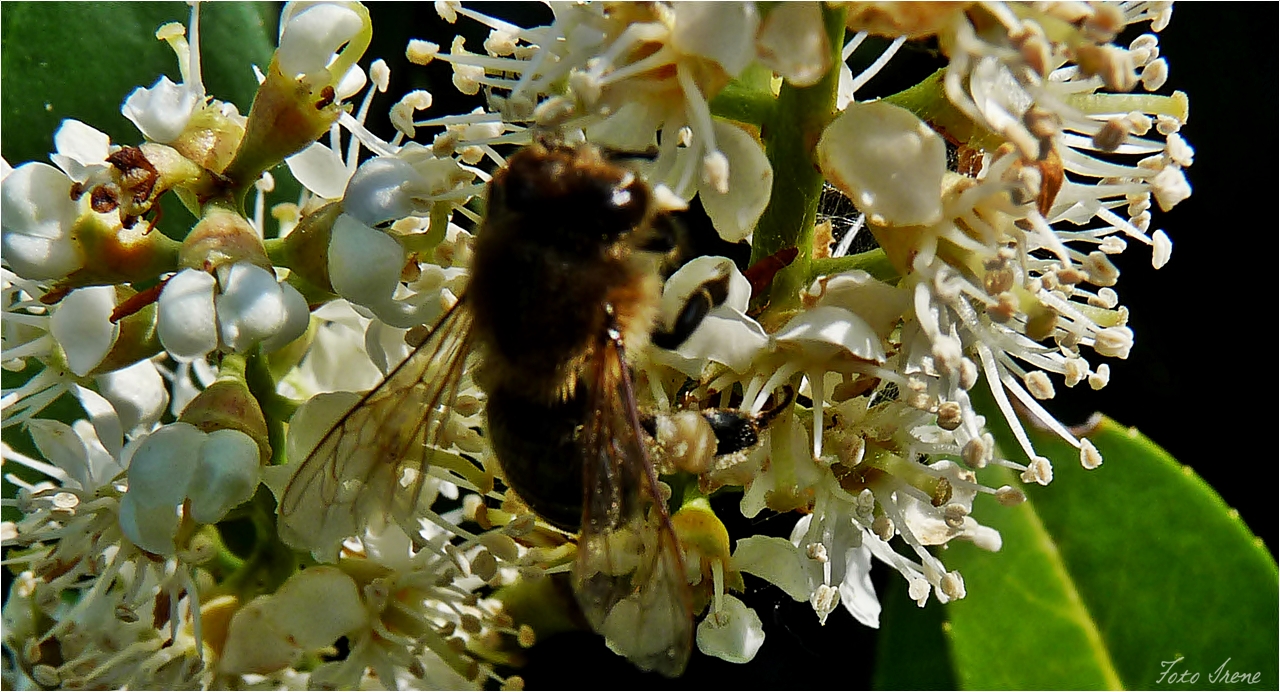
[(429, 376), (641, 604)]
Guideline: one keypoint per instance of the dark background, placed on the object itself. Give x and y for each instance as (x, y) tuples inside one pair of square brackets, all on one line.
[(1194, 322)]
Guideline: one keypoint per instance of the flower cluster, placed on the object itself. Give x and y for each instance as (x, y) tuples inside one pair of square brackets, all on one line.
[(151, 552)]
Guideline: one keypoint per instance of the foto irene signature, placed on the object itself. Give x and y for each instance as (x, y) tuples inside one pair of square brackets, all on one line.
[(1223, 675)]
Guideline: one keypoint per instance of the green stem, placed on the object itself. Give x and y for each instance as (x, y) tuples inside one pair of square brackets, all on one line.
[(791, 136), (747, 99), (928, 101), (270, 563), (873, 262), (232, 366), (275, 408)]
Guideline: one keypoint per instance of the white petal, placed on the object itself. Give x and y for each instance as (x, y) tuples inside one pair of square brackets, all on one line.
[(698, 271), (364, 263), (151, 528), (844, 88), (104, 466), (779, 562), (889, 163), (37, 213), (227, 475), (351, 83), (377, 192), (161, 112), (82, 326), (80, 147), (411, 311), (390, 547), (722, 31), (337, 360), (311, 527), (254, 643), (297, 315), (735, 213), (733, 633), (313, 419), (320, 170), (137, 393), (726, 335), (880, 304), (856, 592), (60, 444), (162, 466), (385, 346), (293, 606), (185, 315), (794, 43), (824, 330), (310, 37), (106, 423), (251, 306), (633, 127)]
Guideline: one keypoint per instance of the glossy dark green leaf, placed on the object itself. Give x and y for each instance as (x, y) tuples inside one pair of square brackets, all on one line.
[(1133, 575), (80, 60)]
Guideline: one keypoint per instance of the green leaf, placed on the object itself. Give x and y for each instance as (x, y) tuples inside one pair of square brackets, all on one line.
[(1134, 575), (1109, 578), (80, 60)]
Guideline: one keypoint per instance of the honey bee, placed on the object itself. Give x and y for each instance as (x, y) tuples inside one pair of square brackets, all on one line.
[(564, 291)]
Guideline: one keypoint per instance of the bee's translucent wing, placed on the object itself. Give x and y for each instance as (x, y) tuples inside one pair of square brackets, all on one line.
[(629, 576), (371, 466)]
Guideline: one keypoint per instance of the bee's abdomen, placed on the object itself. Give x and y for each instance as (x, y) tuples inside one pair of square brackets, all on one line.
[(539, 448)]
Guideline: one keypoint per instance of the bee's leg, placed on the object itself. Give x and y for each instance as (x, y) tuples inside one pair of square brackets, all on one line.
[(700, 302), (736, 430), (691, 440)]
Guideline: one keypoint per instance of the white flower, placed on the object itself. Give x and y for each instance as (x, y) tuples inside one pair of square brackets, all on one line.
[(82, 326), (162, 111), (337, 359), (243, 306), (68, 348), (628, 103), (38, 214), (887, 161), (388, 188), (732, 633), (726, 335), (215, 471), (77, 543), (366, 265)]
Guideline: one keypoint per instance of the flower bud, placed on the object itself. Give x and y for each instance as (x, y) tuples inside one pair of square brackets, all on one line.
[(297, 102), (222, 237), (227, 405)]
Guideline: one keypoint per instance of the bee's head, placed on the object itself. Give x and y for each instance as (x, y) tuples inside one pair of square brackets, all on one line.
[(570, 197)]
